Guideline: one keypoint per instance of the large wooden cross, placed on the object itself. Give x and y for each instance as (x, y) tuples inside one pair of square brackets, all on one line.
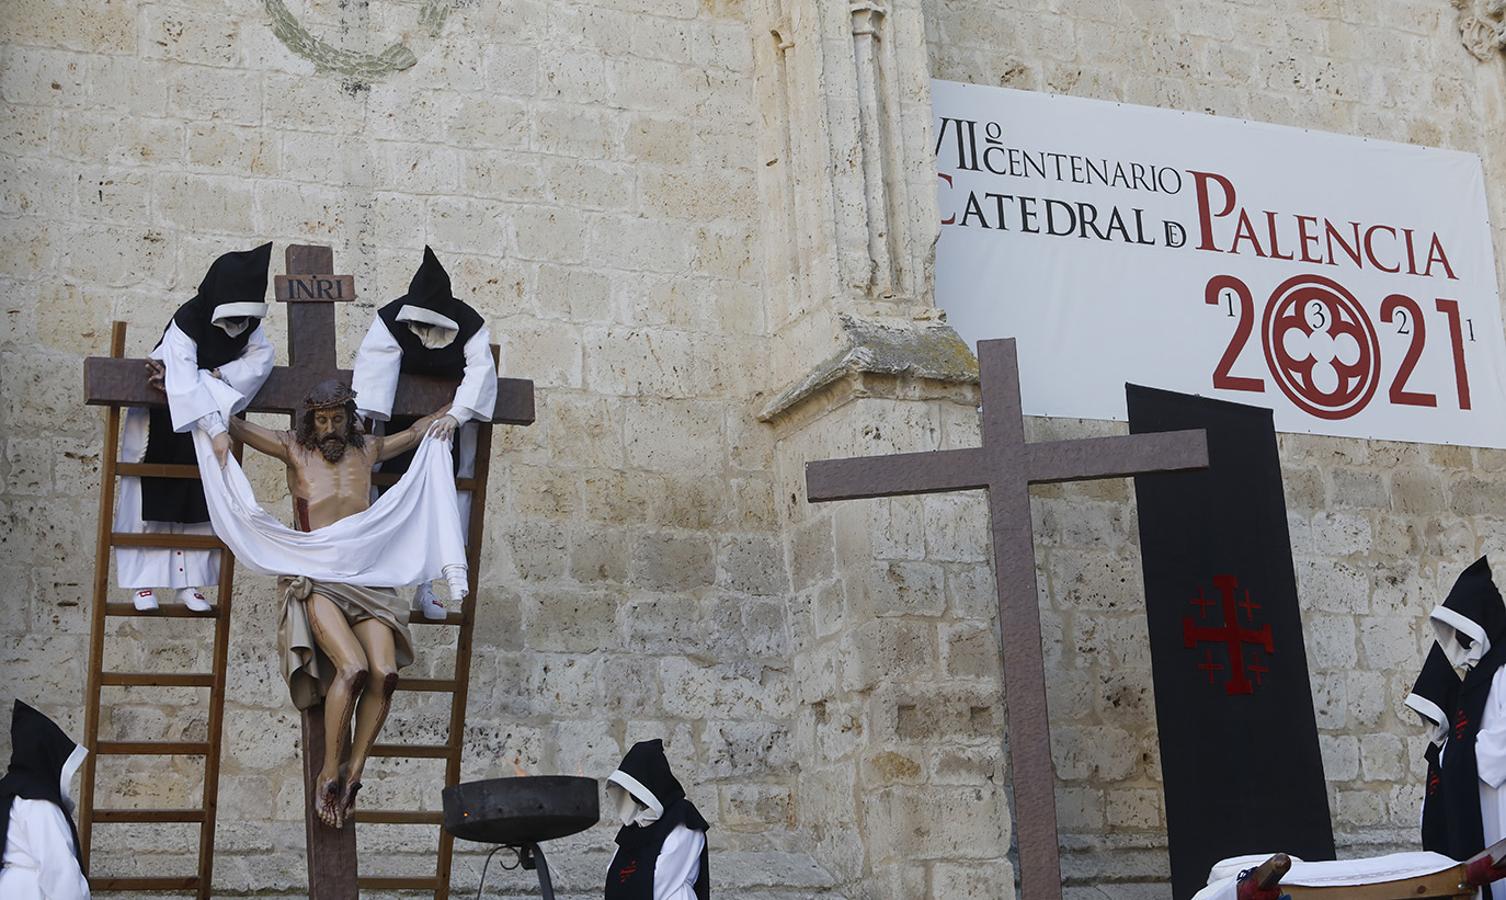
[(1006, 466), (311, 290)]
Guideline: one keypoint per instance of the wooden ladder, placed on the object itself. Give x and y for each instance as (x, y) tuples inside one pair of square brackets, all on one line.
[(103, 609), (457, 685)]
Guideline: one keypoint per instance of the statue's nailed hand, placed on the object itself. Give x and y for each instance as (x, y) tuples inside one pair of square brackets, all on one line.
[(444, 427), (221, 444), (155, 373)]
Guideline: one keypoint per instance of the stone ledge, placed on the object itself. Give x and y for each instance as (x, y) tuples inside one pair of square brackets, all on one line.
[(931, 351)]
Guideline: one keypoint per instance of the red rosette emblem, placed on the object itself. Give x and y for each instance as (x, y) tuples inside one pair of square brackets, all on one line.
[(1321, 347)]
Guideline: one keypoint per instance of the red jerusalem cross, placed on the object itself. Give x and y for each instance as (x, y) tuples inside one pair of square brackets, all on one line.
[(1231, 635)]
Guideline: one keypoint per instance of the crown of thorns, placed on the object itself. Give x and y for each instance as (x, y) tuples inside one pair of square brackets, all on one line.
[(329, 393)]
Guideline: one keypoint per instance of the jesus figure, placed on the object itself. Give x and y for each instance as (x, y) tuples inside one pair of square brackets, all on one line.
[(343, 643)]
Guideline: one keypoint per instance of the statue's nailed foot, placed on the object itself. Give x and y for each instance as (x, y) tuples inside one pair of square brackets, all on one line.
[(327, 801), (348, 800)]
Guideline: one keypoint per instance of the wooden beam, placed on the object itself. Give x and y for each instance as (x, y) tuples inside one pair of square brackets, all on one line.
[(122, 382)]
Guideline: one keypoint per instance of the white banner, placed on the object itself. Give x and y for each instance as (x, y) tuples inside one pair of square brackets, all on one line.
[(1347, 284)]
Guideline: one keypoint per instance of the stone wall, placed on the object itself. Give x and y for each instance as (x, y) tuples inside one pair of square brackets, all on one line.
[(1379, 529), (672, 212), (586, 172)]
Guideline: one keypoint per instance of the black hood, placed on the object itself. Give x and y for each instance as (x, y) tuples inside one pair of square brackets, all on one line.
[(1435, 694), (430, 291), (234, 284), (41, 754), (1472, 619), (648, 776)]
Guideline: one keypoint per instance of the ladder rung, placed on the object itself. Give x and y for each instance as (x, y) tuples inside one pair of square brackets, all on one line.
[(400, 816), (170, 541), (411, 751), (154, 679), (171, 611), (183, 883), (157, 470), (417, 883), (454, 618), (152, 748), (429, 685), (148, 815)]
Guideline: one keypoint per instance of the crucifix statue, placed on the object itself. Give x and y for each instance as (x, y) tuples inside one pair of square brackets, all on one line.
[(1005, 466), (312, 389)]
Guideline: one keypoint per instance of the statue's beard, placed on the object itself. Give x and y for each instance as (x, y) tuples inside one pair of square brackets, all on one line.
[(333, 447)]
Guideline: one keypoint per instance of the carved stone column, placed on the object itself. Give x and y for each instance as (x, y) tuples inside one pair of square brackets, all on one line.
[(848, 174), (901, 781)]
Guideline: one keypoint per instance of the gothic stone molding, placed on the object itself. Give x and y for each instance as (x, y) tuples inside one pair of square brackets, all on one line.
[(929, 350)]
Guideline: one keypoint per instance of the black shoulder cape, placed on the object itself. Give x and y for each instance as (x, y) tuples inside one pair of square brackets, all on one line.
[(39, 751), (1434, 697)]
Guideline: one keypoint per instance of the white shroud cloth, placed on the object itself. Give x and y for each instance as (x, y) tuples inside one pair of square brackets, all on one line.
[(410, 534), (374, 379), (1343, 872), (192, 394)]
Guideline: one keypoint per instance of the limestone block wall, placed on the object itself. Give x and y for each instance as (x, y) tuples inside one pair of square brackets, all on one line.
[(1379, 529), (902, 787), (585, 170)]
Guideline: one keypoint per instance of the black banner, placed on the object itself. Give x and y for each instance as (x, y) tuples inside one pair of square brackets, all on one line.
[(1240, 762)]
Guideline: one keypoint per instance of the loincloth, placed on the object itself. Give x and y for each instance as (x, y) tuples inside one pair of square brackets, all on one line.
[(304, 666)]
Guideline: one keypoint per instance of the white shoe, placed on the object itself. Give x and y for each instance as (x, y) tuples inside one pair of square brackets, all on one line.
[(193, 599), (429, 603), (145, 600)]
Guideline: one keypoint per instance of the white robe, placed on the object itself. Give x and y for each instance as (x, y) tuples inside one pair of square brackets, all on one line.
[(1490, 756), (39, 860), (374, 379), (411, 533), (192, 394), (679, 864), (377, 368)]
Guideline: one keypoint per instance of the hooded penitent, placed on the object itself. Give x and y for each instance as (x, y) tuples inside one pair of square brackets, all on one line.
[(644, 775), (219, 320), (1433, 697), (1474, 612), (430, 324), (42, 762)]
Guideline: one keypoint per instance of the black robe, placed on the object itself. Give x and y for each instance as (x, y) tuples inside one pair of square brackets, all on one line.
[(1435, 697), (1475, 595), (430, 289), (239, 277), (39, 751), (631, 875)]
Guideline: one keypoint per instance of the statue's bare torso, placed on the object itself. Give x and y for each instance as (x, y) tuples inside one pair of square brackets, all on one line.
[(329, 491)]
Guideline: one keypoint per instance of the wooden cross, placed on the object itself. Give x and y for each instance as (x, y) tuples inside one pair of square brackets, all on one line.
[(1006, 466), (311, 290)]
